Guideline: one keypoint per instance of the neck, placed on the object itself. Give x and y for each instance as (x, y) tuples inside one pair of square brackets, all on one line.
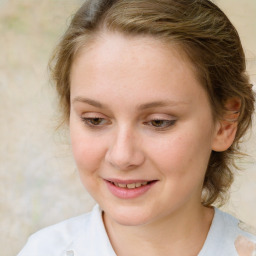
[(181, 233)]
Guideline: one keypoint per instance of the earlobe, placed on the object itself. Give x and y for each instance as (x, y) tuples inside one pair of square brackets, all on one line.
[(226, 128)]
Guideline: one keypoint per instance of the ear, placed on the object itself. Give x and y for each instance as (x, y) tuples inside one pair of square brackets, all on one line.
[(226, 128)]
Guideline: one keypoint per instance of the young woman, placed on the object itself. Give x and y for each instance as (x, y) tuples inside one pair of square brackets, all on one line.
[(156, 97)]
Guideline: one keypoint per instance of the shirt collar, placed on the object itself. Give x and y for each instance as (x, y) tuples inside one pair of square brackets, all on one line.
[(93, 239)]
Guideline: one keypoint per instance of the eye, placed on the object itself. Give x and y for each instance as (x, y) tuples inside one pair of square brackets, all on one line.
[(161, 124), (94, 121)]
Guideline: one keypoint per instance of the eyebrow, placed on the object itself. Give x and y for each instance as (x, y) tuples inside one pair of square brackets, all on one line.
[(145, 106), (91, 102), (155, 104)]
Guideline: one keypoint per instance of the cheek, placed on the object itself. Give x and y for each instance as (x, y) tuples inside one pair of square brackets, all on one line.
[(182, 154), (85, 154), (88, 154), (88, 151)]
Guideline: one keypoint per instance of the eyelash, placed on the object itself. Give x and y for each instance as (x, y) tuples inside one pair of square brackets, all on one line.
[(168, 123), (88, 121)]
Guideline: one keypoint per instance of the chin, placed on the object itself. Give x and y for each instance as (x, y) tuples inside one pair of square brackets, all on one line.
[(128, 216)]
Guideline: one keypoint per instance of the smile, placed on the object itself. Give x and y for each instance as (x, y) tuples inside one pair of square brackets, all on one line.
[(130, 185), (129, 189)]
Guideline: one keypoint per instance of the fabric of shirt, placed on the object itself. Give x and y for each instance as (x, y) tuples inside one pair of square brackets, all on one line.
[(85, 235)]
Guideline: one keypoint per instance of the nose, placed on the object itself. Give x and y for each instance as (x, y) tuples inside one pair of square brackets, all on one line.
[(125, 150)]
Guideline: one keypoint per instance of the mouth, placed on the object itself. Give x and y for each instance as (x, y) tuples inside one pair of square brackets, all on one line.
[(132, 185), (129, 189)]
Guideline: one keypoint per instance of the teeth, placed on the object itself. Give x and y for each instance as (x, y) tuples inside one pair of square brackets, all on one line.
[(120, 185), (138, 185), (131, 185)]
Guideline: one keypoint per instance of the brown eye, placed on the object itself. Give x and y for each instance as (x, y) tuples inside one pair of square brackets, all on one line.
[(161, 124), (95, 121), (158, 123)]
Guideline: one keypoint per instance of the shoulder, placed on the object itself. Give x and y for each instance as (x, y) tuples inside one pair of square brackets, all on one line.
[(235, 227), (237, 236), (230, 236), (56, 238), (245, 241), (77, 236), (63, 231)]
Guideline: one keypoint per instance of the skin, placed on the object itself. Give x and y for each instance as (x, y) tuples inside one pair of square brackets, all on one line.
[(244, 246), (120, 140)]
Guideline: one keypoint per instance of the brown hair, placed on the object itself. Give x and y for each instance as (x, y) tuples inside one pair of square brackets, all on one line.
[(206, 36)]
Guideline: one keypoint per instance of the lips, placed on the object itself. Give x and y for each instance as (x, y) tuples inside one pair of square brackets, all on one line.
[(129, 189)]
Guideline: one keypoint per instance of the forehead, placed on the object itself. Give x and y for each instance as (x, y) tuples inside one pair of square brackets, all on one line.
[(114, 47), (116, 63)]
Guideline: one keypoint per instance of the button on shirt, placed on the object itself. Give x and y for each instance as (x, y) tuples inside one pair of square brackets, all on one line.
[(86, 236)]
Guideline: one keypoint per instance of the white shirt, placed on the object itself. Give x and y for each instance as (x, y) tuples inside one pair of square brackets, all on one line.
[(86, 236)]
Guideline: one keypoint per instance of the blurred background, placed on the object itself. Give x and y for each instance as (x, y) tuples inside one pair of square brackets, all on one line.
[(39, 181)]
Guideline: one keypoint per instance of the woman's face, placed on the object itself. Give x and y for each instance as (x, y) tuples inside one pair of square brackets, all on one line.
[(141, 128)]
